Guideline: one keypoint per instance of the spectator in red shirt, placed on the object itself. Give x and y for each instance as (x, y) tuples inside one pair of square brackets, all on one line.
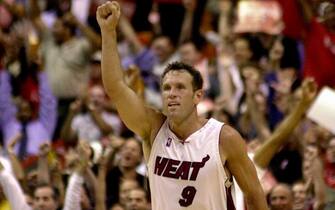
[(320, 44)]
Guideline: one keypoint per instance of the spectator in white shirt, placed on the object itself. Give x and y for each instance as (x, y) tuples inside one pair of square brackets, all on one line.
[(88, 119)]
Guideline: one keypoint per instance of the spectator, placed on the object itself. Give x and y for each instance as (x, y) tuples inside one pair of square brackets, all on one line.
[(66, 57), (254, 81), (190, 53), (130, 158), (46, 197), (15, 119), (319, 59), (125, 187), (12, 190), (88, 120), (281, 197), (137, 200), (329, 174)]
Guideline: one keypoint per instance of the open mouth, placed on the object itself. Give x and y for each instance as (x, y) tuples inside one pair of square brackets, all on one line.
[(127, 158), (173, 104)]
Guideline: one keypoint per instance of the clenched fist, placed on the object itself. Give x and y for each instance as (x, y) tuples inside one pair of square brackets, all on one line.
[(309, 90), (108, 16)]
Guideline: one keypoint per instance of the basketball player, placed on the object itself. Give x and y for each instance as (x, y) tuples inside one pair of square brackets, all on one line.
[(191, 160)]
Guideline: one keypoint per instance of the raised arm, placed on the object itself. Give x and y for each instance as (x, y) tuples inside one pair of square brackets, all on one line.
[(67, 133), (233, 150), (12, 190), (35, 15), (73, 190), (86, 30), (313, 176), (56, 178), (104, 127), (224, 25), (257, 116), (319, 184), (48, 105), (186, 29), (100, 195), (15, 162), (43, 175), (7, 107), (231, 84), (130, 107), (264, 153), (130, 34)]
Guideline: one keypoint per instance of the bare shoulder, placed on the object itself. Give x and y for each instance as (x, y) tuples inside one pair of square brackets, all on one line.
[(231, 143), (157, 120)]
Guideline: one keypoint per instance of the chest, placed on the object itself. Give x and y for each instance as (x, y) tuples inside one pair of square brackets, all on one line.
[(189, 161)]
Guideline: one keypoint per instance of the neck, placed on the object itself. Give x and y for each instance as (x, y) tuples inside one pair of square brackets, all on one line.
[(128, 173), (184, 128)]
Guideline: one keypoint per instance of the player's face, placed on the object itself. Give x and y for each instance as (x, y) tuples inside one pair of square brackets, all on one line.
[(179, 98)]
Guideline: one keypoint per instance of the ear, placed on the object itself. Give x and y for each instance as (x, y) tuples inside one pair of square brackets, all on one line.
[(198, 95)]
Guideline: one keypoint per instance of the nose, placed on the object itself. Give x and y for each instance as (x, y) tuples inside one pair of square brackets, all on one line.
[(133, 205), (275, 201), (172, 92), (40, 204)]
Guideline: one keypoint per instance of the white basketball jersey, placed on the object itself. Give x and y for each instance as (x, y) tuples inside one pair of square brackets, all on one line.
[(189, 175)]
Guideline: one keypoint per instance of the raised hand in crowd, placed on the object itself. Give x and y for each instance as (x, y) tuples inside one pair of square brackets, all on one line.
[(15, 162), (12, 143), (135, 81), (100, 188), (309, 91), (279, 137), (83, 161), (314, 184), (43, 170)]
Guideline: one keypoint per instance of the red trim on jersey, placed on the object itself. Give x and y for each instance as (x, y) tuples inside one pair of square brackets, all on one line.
[(230, 202)]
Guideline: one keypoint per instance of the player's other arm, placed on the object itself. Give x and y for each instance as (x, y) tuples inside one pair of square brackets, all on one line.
[(233, 148), (130, 107)]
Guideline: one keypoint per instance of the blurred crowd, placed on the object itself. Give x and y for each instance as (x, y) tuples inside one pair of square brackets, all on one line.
[(63, 144)]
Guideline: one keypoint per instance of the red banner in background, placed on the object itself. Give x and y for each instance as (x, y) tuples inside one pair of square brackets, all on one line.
[(259, 16)]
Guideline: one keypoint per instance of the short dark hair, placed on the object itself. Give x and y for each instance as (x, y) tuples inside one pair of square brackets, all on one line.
[(67, 24), (168, 38), (55, 191), (180, 66), (197, 45), (284, 185)]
